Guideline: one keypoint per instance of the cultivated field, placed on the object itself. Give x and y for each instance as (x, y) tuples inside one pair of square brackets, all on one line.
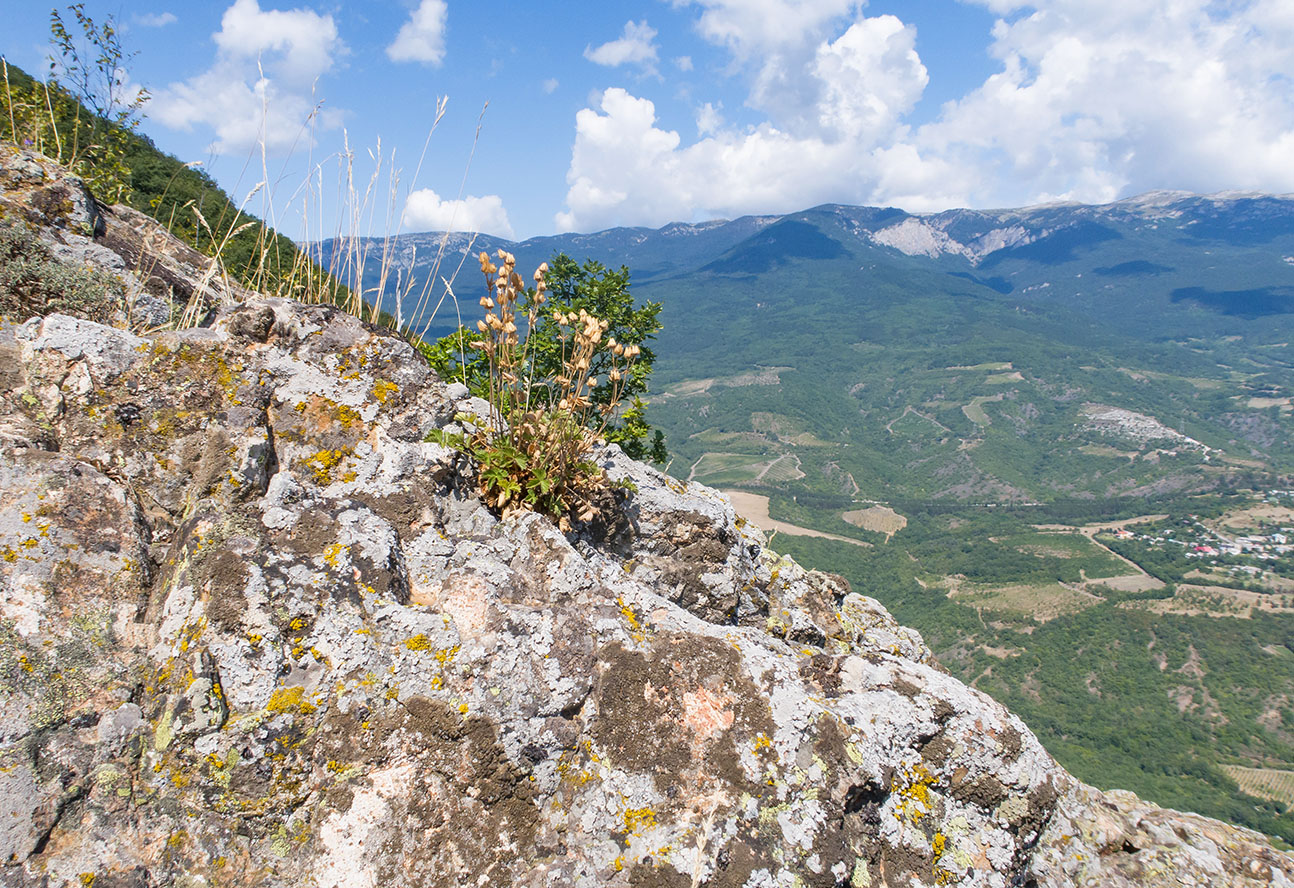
[(754, 508), (1264, 783), (878, 519), (1216, 601), (1043, 602)]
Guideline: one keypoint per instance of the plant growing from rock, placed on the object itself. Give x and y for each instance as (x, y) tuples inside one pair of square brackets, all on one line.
[(604, 293), (86, 114), (534, 450)]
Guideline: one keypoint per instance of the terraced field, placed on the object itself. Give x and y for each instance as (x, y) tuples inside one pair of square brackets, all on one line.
[(1264, 783)]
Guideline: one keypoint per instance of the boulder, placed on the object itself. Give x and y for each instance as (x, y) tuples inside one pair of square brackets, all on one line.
[(256, 630)]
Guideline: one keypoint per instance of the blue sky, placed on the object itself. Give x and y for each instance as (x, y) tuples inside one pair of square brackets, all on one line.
[(642, 113)]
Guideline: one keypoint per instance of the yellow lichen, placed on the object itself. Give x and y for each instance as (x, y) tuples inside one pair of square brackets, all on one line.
[(331, 555), (637, 819), (636, 630), (382, 390), (286, 700), (324, 462), (419, 642), (347, 416), (912, 786)]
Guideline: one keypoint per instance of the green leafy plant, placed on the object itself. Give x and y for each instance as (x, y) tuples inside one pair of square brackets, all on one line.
[(572, 288), (85, 114), (548, 409)]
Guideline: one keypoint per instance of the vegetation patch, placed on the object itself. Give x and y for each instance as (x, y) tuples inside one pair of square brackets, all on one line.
[(553, 393), (1037, 602), (34, 283)]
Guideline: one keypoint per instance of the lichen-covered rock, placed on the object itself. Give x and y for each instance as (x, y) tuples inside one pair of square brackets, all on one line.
[(255, 630), (159, 275)]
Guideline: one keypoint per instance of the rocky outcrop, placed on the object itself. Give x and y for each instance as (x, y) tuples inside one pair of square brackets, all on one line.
[(160, 276), (256, 630)]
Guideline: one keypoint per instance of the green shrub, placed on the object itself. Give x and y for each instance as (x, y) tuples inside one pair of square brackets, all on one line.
[(572, 288), (32, 282)]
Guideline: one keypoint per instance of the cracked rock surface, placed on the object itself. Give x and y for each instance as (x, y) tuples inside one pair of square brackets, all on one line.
[(254, 630)]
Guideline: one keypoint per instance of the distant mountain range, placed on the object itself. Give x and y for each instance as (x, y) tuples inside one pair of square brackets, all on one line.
[(1232, 253), (1177, 307)]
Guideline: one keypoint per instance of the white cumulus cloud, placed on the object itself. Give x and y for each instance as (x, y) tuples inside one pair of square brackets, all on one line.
[(422, 37), (260, 86), (1092, 100), (635, 47), (868, 79), (626, 170), (751, 26), (1098, 100), (426, 211)]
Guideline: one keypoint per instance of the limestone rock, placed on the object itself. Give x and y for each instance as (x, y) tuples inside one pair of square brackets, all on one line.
[(255, 630)]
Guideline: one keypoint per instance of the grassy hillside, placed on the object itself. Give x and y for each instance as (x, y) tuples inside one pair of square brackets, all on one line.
[(121, 164)]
